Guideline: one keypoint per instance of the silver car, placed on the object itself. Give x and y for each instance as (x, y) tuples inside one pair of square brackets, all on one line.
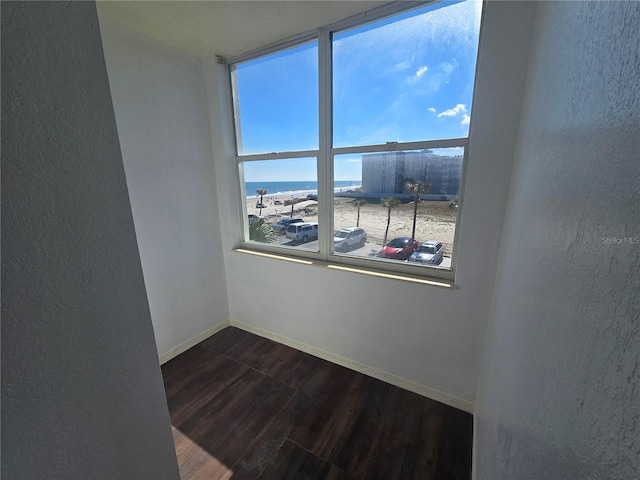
[(304, 232), (349, 237), (428, 253)]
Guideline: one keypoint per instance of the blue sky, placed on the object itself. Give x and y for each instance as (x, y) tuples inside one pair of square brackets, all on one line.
[(404, 80)]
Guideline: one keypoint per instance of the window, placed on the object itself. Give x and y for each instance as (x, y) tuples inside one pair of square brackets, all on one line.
[(360, 130)]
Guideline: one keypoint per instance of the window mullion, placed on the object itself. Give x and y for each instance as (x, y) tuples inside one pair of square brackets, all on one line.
[(243, 202), (257, 157), (399, 146), (325, 169)]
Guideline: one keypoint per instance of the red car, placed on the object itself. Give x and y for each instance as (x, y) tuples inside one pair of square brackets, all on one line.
[(399, 248)]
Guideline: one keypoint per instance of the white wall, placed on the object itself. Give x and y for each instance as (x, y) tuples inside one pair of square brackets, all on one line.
[(560, 391), (160, 105), (429, 335), (82, 393)]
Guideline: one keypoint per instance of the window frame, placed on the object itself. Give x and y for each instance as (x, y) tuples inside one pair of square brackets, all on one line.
[(326, 151)]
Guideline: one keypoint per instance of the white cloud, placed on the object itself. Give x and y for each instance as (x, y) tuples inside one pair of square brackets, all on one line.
[(432, 110), (418, 75), (353, 160), (465, 119), (452, 112), (402, 65)]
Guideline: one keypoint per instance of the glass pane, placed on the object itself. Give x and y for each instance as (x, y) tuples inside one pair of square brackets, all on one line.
[(406, 78), (276, 101), (377, 215), (282, 202)]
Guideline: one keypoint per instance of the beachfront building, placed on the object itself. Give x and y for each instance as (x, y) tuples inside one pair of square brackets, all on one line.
[(389, 173)]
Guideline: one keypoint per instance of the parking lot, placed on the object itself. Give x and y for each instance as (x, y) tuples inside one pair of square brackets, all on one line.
[(369, 249)]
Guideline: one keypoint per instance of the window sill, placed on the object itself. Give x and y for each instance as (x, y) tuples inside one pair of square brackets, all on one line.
[(421, 279)]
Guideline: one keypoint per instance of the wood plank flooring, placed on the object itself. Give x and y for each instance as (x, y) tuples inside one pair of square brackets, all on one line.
[(244, 407)]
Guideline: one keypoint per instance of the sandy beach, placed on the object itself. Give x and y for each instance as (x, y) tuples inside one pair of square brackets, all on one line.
[(436, 220)]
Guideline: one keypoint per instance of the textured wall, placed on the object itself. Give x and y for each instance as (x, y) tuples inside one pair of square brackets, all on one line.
[(82, 394), (559, 396), (161, 111)]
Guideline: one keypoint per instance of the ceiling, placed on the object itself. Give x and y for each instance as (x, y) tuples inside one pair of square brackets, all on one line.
[(228, 28)]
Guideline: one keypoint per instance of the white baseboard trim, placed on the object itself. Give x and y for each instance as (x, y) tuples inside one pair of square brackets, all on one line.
[(358, 367), (183, 347)]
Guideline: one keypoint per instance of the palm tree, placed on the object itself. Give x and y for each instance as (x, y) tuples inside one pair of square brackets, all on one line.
[(359, 203), (389, 203), (261, 232), (292, 202), (262, 192), (417, 189)]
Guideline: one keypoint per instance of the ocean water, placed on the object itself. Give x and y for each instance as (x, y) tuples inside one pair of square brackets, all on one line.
[(294, 188)]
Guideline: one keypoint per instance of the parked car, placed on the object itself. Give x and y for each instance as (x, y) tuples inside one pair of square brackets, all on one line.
[(429, 253), (282, 224), (399, 248), (312, 196), (260, 205), (303, 231), (349, 237), (277, 202)]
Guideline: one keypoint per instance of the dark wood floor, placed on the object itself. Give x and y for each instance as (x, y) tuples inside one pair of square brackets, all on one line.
[(244, 407)]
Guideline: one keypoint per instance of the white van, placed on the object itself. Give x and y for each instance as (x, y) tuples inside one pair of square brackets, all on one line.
[(303, 231)]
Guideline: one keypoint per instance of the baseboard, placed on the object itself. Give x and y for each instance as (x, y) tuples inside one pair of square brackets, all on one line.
[(358, 367), (183, 347)]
